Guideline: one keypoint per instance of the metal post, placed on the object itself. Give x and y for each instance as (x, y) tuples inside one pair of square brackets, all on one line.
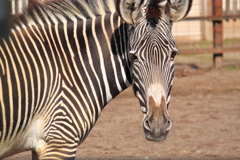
[(234, 8), (228, 11), (227, 7), (13, 5), (217, 33), (235, 5), (4, 19)]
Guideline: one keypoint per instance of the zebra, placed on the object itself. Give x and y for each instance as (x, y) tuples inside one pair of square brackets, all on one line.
[(65, 60)]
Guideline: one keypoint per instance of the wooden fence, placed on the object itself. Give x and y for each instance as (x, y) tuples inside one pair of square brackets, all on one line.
[(212, 27)]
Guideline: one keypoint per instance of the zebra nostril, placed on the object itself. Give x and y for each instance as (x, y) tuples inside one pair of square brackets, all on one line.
[(147, 125), (169, 125)]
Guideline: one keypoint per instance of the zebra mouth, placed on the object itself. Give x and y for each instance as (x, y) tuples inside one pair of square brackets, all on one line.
[(153, 137)]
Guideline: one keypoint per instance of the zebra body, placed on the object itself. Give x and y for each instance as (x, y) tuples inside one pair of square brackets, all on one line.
[(63, 62)]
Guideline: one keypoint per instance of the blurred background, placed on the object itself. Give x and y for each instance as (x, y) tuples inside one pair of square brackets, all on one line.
[(205, 103), (211, 29)]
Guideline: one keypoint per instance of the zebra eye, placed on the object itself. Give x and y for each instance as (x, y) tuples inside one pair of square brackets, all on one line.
[(134, 57), (173, 54)]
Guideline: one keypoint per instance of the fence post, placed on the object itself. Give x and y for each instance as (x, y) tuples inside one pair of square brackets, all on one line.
[(217, 33), (4, 19)]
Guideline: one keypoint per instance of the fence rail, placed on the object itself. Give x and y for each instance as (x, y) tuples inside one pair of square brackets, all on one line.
[(212, 17), (213, 29)]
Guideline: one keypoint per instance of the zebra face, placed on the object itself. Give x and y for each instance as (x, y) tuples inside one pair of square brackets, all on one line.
[(152, 51)]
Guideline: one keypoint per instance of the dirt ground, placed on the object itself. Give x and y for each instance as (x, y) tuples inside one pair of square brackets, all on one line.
[(205, 110)]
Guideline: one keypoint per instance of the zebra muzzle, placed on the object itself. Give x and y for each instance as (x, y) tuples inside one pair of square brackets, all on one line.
[(157, 122)]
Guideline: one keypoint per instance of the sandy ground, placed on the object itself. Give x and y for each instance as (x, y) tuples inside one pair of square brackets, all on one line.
[(205, 110)]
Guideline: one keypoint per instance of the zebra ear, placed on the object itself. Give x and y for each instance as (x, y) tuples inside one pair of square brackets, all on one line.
[(129, 10), (177, 10)]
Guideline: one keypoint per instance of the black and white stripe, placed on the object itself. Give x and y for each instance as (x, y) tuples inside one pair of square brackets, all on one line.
[(63, 62)]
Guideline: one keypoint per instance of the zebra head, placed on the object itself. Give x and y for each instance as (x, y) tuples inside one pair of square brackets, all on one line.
[(152, 52)]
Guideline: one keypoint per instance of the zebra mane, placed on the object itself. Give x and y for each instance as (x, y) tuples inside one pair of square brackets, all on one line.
[(63, 10)]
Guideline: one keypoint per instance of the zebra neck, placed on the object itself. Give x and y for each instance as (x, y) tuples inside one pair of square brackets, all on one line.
[(94, 42), (103, 49)]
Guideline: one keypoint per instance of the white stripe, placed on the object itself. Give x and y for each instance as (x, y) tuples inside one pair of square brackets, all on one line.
[(52, 91), (3, 107), (139, 96), (125, 54), (70, 69), (52, 81), (37, 72), (10, 89), (73, 18), (92, 115), (73, 119), (50, 68), (44, 81), (55, 21), (118, 53), (73, 107), (168, 99), (53, 104), (26, 84), (64, 21), (144, 109), (19, 87), (66, 134), (39, 20), (111, 54), (91, 62), (102, 66)]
